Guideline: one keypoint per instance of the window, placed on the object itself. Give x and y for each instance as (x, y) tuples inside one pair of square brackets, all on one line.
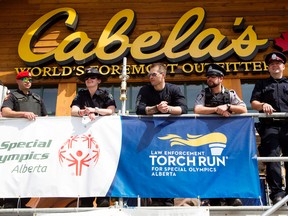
[(247, 88)]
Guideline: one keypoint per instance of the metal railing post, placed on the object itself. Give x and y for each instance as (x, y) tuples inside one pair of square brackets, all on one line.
[(275, 207)]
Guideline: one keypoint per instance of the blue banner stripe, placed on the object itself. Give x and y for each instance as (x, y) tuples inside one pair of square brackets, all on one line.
[(187, 157)]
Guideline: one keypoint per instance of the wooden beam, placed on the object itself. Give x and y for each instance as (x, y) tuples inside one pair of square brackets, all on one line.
[(66, 93)]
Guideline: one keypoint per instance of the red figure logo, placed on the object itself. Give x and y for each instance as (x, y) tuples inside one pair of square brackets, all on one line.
[(79, 151)]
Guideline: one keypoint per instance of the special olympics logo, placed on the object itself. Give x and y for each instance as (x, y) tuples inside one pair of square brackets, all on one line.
[(79, 151)]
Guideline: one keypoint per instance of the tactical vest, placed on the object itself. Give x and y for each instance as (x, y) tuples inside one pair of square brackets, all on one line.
[(216, 100), (32, 103)]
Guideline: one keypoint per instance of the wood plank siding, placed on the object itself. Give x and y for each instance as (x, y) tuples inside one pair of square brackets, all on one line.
[(269, 18)]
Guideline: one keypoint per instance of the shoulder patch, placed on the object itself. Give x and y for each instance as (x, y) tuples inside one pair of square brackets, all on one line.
[(200, 96), (7, 97)]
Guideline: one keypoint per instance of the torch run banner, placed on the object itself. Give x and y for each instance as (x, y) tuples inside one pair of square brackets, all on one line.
[(129, 156)]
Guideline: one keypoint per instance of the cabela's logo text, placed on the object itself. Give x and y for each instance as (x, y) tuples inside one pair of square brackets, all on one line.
[(187, 40)]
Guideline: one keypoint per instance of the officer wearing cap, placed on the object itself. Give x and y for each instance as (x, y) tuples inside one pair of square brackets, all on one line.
[(23, 103), (269, 96), (216, 99), (92, 102)]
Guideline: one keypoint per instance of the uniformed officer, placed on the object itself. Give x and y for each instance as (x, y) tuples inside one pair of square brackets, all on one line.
[(160, 97), (93, 101), (216, 99), (22, 103), (271, 95)]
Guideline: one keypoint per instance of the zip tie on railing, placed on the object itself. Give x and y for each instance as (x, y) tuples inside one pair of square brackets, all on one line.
[(18, 205), (138, 201), (261, 202), (78, 202), (19, 202)]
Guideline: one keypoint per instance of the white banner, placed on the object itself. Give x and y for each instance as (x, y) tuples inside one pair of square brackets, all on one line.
[(58, 156)]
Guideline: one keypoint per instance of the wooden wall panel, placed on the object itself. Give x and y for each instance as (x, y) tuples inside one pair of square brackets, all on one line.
[(269, 18)]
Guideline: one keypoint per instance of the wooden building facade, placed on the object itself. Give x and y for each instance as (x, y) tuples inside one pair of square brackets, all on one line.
[(185, 35)]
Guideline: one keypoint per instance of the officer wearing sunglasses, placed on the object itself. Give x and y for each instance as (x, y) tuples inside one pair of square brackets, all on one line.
[(92, 102), (160, 97), (23, 103)]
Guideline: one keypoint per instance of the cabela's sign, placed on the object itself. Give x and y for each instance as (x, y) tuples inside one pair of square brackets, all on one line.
[(141, 69), (186, 41)]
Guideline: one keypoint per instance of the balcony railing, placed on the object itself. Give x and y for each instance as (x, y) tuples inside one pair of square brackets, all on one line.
[(265, 210)]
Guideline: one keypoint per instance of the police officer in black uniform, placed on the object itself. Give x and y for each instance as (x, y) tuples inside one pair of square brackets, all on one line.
[(92, 102), (271, 95), (22, 103), (160, 97), (216, 99)]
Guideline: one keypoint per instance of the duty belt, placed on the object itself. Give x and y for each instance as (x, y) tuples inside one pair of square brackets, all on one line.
[(274, 121)]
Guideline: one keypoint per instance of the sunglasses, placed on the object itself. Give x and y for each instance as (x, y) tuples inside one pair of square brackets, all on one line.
[(212, 76), (91, 77), (153, 74), (26, 79)]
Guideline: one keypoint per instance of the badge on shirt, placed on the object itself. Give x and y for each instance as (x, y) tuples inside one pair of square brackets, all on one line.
[(110, 96)]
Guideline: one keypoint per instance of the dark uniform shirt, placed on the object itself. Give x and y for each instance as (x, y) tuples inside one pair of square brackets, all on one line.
[(148, 96), (101, 99), (18, 101), (273, 92)]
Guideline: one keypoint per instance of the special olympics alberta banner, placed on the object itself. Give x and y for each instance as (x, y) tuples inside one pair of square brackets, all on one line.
[(129, 156)]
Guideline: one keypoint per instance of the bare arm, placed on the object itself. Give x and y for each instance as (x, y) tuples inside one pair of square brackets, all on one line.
[(238, 109), (163, 107), (200, 109), (105, 111), (260, 106), (8, 112), (76, 111), (223, 110)]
